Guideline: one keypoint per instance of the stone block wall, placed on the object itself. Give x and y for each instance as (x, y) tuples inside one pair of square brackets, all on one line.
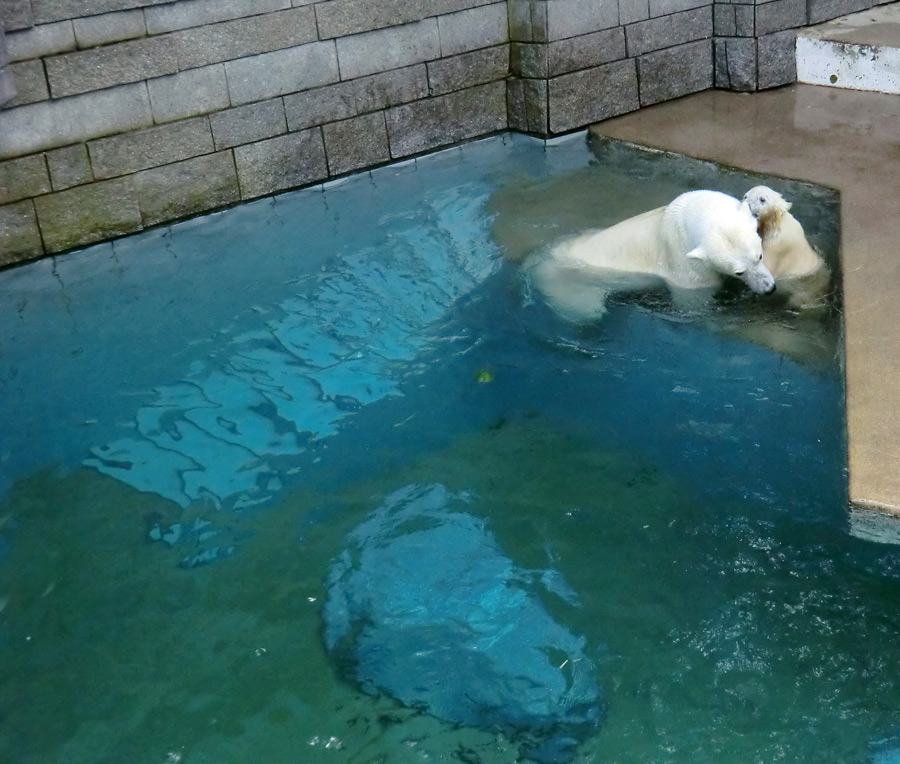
[(573, 62), (755, 39), (122, 114), (130, 113)]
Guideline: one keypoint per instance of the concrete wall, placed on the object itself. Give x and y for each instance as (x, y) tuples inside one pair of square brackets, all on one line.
[(123, 114)]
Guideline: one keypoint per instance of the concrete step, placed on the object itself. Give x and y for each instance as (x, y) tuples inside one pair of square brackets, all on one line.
[(860, 51)]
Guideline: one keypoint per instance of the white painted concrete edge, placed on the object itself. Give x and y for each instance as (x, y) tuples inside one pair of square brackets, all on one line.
[(848, 65)]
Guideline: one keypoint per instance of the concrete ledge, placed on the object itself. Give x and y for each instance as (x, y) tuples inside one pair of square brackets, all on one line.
[(859, 51), (838, 138)]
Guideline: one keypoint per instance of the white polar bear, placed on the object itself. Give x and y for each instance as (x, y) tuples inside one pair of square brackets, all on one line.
[(692, 244), (799, 270)]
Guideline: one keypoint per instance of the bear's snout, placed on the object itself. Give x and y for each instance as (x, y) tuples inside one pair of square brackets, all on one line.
[(759, 279)]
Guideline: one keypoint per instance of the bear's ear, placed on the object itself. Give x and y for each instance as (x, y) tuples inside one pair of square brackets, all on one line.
[(696, 254)]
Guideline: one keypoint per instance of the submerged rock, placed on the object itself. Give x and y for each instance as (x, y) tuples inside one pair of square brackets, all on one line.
[(423, 606)]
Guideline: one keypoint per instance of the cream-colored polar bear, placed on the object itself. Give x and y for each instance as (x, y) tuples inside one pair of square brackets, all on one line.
[(799, 271), (691, 244)]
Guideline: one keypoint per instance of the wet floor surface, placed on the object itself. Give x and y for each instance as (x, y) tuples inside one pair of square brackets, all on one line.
[(849, 141)]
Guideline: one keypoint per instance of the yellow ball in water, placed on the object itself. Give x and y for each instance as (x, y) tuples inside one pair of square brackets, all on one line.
[(483, 375)]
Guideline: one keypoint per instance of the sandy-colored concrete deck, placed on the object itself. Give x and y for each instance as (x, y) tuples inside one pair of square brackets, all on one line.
[(848, 140)]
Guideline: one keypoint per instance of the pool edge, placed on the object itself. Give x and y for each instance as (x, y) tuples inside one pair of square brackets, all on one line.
[(844, 140)]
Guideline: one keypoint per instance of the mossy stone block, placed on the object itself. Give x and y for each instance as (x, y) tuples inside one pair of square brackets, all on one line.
[(187, 188), (87, 214), (20, 238)]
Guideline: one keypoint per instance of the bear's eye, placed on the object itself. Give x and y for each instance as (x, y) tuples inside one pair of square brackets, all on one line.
[(762, 200), (741, 272)]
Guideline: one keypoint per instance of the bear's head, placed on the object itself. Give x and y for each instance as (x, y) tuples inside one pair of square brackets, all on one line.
[(735, 249), (768, 207)]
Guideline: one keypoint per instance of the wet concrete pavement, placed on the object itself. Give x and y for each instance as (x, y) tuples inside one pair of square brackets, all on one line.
[(848, 140)]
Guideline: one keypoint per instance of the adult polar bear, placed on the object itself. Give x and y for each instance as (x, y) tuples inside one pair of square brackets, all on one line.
[(691, 244)]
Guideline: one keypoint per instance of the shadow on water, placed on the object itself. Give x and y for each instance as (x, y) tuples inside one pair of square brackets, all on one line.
[(660, 496)]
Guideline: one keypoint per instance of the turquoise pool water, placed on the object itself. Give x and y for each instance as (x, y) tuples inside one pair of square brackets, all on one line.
[(319, 479)]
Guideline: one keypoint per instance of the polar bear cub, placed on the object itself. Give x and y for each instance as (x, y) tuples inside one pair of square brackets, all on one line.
[(693, 243), (799, 270)]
